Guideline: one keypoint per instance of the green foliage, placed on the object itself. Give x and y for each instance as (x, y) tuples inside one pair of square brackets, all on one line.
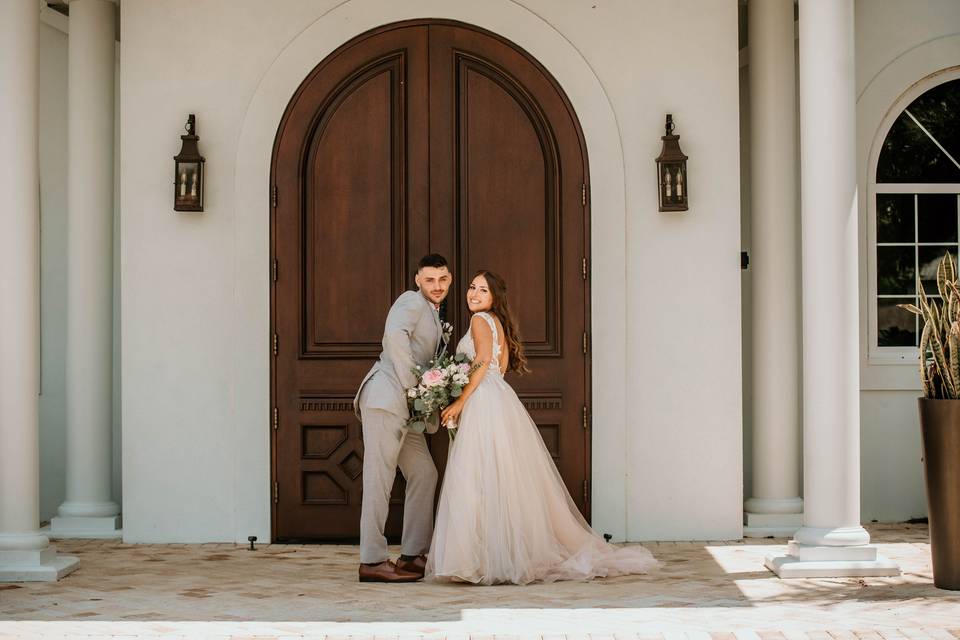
[(417, 427), (940, 337)]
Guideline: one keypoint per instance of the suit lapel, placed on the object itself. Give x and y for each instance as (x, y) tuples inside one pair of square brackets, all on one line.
[(436, 322)]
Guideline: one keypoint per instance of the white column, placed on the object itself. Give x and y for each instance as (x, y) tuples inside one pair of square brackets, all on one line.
[(25, 553), (89, 510), (775, 508), (832, 542)]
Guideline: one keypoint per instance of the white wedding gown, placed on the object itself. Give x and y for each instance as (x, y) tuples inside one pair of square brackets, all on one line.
[(505, 515)]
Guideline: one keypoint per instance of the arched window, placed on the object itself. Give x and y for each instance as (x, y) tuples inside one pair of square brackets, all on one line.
[(914, 195)]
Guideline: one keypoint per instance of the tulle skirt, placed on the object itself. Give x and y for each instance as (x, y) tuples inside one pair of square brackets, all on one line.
[(505, 515)]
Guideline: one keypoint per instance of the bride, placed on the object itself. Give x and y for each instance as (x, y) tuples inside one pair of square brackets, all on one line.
[(504, 514)]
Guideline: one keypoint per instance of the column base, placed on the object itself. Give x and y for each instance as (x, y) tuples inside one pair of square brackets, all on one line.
[(822, 561), (771, 525), (107, 527), (35, 565)]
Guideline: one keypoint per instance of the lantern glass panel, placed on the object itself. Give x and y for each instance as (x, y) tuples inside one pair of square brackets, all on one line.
[(672, 184), (188, 191)]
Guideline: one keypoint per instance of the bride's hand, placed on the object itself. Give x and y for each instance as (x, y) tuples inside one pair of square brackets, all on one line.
[(451, 413)]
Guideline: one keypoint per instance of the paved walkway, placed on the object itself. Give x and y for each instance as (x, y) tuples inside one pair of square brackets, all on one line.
[(704, 591)]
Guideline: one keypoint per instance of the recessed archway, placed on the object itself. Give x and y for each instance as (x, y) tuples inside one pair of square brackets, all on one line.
[(600, 130)]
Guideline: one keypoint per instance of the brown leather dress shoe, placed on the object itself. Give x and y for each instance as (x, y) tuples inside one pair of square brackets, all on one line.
[(418, 565), (386, 571)]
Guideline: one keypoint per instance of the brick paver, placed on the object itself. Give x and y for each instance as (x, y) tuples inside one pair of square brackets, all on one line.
[(703, 591)]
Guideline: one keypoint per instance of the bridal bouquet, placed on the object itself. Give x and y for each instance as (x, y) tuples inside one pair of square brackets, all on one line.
[(438, 386)]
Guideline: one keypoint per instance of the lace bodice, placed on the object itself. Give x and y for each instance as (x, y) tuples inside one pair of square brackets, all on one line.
[(467, 346)]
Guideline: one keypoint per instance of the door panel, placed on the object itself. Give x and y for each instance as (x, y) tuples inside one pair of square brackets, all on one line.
[(507, 161), (419, 137), (348, 195), (350, 222)]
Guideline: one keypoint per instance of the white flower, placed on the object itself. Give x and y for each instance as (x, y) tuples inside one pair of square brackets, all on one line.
[(412, 393)]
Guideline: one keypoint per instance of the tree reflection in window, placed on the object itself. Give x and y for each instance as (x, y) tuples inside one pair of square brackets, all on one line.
[(924, 142), (916, 192)]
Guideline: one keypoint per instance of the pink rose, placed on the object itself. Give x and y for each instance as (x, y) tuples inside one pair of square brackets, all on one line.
[(433, 378)]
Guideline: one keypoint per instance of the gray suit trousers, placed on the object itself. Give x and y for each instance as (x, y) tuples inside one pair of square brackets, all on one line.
[(387, 445)]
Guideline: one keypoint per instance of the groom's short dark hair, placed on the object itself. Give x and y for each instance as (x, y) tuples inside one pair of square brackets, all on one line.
[(434, 260)]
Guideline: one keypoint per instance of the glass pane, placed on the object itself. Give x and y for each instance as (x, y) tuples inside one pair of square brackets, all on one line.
[(895, 327), (937, 217), (895, 270), (895, 217), (930, 258), (908, 155), (937, 111)]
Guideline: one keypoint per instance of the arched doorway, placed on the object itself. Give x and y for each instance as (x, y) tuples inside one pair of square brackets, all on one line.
[(416, 137)]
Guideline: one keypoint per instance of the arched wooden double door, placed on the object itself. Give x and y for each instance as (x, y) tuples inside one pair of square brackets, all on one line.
[(419, 137)]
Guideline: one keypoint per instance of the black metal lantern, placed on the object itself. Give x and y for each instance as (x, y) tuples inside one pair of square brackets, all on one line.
[(672, 172), (188, 171)]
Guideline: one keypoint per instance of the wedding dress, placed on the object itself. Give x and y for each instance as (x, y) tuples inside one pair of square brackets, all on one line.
[(505, 515)]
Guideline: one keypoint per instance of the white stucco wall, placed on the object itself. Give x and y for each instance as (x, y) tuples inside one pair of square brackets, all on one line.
[(194, 372), (897, 45), (194, 286)]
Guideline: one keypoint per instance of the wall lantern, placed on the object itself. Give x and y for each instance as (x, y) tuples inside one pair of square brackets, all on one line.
[(188, 171), (672, 172)]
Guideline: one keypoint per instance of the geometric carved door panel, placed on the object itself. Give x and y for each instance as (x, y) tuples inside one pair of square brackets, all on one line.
[(423, 136)]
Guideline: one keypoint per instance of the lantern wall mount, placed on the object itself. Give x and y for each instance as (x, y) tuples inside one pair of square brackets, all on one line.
[(672, 181), (188, 171)]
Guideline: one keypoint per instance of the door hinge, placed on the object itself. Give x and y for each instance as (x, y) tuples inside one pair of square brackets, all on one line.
[(276, 492), (274, 270), (276, 344), (586, 343), (586, 417), (274, 196), (583, 268), (583, 193), (276, 418), (586, 491)]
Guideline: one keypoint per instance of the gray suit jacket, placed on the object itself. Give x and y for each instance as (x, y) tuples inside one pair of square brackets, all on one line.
[(411, 336)]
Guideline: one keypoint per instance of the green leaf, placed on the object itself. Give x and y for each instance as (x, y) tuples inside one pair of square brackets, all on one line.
[(455, 392), (942, 277), (911, 308), (419, 405), (928, 316), (953, 347), (418, 426), (936, 347), (928, 390), (949, 268)]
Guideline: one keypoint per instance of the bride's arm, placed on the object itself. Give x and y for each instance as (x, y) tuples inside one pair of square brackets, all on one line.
[(483, 341)]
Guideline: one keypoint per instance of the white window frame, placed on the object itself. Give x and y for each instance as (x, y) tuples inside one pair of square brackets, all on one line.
[(875, 353)]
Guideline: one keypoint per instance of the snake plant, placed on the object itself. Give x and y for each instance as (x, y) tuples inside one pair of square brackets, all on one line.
[(940, 337)]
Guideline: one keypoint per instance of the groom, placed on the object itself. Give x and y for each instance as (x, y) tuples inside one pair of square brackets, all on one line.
[(411, 337)]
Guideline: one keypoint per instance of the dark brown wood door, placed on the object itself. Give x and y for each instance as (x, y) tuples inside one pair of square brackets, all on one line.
[(417, 137)]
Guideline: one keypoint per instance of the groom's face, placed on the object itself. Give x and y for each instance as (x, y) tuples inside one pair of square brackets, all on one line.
[(434, 283)]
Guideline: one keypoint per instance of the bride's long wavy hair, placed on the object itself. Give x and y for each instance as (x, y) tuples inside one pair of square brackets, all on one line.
[(501, 307)]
